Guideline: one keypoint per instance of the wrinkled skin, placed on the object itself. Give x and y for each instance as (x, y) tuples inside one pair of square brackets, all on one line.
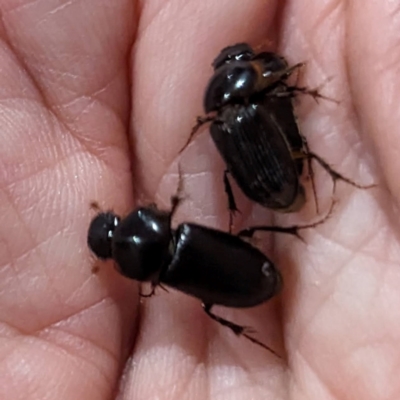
[(97, 99)]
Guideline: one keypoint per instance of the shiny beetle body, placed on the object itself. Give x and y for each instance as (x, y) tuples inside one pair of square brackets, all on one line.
[(258, 154), (214, 266), (249, 103), (254, 126), (211, 265)]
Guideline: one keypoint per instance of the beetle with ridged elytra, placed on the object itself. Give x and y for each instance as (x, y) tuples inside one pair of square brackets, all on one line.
[(249, 103)]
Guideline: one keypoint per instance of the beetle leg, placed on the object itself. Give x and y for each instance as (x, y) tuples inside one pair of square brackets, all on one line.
[(294, 90), (231, 200), (334, 174), (150, 294), (199, 122), (177, 198), (272, 78), (314, 93), (291, 230), (311, 173), (289, 71), (236, 329)]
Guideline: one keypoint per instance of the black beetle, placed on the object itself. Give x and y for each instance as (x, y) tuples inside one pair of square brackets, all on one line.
[(249, 104), (214, 266)]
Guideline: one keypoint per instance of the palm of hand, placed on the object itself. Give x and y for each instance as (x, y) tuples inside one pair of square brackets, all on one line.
[(65, 114)]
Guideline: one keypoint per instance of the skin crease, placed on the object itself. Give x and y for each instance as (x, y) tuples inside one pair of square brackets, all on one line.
[(81, 80)]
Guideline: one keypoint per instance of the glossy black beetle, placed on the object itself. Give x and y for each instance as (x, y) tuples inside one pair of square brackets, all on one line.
[(249, 104), (211, 265)]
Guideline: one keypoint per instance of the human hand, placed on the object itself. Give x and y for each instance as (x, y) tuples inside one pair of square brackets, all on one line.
[(71, 102)]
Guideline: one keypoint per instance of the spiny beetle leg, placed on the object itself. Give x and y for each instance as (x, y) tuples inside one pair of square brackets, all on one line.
[(334, 174), (291, 230), (150, 294), (311, 174), (178, 197), (231, 200), (237, 329), (314, 93), (199, 122)]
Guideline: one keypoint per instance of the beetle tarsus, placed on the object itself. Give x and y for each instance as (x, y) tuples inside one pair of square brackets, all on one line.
[(336, 176), (311, 174), (291, 230), (199, 122), (178, 197), (231, 200), (150, 294), (238, 330)]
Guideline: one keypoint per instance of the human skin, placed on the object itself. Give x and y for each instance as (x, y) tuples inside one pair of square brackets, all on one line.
[(96, 100)]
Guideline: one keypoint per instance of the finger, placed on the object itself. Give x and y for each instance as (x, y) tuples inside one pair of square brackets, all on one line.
[(172, 63), (64, 113)]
